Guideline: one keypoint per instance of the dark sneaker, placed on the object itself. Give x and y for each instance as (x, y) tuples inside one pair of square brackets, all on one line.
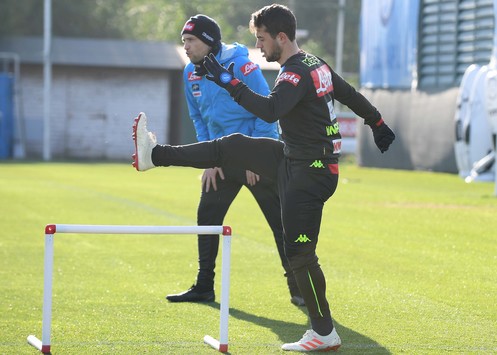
[(192, 295)]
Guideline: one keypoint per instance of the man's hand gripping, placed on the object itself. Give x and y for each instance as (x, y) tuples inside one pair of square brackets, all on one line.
[(219, 74)]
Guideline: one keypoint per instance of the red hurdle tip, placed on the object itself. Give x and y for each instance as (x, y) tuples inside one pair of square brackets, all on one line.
[(226, 230), (50, 229)]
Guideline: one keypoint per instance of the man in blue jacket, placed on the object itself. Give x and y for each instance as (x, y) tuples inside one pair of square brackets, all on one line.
[(214, 115)]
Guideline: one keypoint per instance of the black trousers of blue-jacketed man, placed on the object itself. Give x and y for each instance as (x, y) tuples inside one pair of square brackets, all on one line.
[(304, 186), (212, 210)]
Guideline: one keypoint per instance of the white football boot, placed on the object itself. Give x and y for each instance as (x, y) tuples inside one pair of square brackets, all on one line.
[(312, 341), (144, 141)]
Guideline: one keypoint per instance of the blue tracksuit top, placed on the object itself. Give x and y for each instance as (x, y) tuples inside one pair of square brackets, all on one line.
[(213, 112)]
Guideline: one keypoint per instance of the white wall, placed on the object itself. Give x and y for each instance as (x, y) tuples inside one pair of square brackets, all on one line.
[(424, 126), (92, 110)]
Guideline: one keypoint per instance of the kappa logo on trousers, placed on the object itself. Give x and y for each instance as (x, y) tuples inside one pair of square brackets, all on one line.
[(317, 164), (302, 239)]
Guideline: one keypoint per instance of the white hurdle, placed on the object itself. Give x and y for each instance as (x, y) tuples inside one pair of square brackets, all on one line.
[(221, 345)]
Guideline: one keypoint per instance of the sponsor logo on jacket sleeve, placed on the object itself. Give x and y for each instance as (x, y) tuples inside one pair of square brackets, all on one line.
[(322, 80), (290, 77), (248, 68)]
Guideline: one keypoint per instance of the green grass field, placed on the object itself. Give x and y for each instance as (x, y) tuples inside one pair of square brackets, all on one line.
[(410, 260)]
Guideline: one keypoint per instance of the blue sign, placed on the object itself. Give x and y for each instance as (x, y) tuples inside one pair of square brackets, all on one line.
[(388, 43), (6, 115)]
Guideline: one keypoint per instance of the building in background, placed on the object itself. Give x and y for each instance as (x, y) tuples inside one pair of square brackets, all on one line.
[(98, 87)]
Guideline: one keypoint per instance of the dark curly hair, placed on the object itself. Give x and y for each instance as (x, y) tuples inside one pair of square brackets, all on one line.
[(275, 18)]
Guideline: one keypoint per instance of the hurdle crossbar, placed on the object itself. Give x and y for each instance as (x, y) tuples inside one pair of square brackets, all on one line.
[(50, 229)]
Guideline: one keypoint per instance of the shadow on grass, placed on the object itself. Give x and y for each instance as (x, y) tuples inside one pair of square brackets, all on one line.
[(352, 341)]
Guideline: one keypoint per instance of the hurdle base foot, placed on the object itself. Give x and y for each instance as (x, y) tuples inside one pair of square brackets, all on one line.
[(36, 343), (223, 348)]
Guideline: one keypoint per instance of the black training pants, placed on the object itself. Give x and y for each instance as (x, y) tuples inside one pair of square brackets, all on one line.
[(214, 206), (304, 186)]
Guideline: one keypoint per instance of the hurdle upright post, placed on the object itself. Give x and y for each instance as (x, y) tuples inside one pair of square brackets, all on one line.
[(44, 344), (222, 344)]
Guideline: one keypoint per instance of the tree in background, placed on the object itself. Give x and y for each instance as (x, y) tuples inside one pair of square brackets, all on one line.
[(162, 20), (70, 18)]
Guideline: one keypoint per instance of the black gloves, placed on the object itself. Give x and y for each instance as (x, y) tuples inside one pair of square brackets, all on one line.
[(219, 74), (200, 70), (383, 135)]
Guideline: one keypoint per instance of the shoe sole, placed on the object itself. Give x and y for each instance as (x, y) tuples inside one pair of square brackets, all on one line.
[(325, 350), (135, 155), (209, 300), (330, 348)]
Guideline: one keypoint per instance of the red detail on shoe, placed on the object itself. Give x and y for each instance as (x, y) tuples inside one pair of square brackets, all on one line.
[(316, 340), (334, 348), (226, 230), (333, 168), (45, 349), (223, 348), (306, 347), (330, 348), (379, 123), (134, 156), (313, 344), (50, 229)]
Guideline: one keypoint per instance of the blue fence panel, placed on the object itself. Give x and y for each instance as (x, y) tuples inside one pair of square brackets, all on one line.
[(388, 43), (6, 115)]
